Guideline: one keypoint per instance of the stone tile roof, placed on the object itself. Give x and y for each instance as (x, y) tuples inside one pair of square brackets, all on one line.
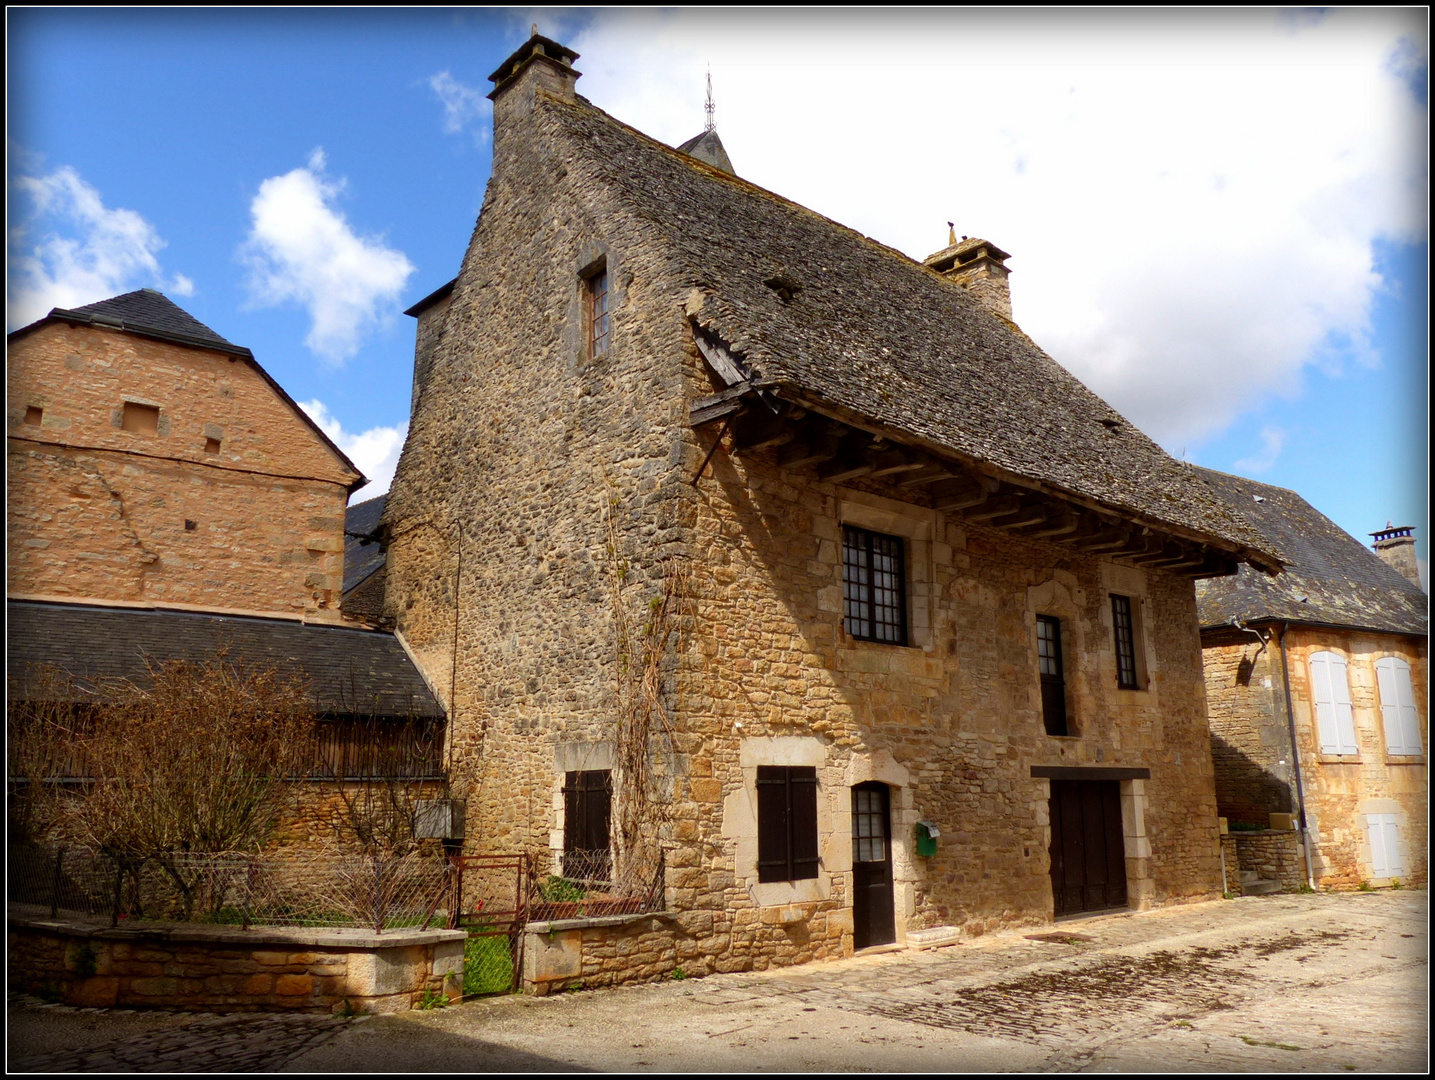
[(353, 672), (147, 309), (1332, 578), (708, 147), (870, 332), (361, 560)]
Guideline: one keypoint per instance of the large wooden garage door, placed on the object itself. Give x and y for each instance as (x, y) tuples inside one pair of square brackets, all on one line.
[(1088, 856)]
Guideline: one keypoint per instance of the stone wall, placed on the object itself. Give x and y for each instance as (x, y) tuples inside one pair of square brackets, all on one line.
[(1274, 854), (571, 476), (1342, 790), (1250, 739), (234, 503), (221, 969)]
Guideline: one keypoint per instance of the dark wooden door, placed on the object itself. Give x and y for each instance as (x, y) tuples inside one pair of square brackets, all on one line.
[(873, 921), (1088, 854)]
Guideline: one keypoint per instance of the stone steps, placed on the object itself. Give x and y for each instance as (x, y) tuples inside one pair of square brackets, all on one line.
[(1252, 884)]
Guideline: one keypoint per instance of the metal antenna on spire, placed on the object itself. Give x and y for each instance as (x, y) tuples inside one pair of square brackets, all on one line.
[(709, 108)]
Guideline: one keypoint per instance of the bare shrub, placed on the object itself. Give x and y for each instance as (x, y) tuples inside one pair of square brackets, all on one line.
[(43, 720)]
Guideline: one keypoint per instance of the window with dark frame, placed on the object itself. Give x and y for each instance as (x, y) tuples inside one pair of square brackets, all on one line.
[(587, 813), (598, 322), (786, 822), (874, 586), (1053, 677), (1125, 642)]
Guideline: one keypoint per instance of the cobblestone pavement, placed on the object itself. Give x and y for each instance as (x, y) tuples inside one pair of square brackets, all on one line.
[(248, 1042), (1330, 982)]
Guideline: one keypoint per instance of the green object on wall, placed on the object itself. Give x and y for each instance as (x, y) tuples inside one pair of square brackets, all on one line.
[(927, 834)]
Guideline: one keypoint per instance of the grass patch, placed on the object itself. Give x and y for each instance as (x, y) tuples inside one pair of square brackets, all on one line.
[(1279, 1046), (487, 965)]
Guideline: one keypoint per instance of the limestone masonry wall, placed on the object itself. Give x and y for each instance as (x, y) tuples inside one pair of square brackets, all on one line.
[(221, 969), (232, 503)]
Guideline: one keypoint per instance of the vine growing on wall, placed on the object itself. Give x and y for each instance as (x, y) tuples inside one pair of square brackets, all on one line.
[(646, 623)]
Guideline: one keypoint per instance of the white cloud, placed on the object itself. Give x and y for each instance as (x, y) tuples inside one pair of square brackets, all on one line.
[(375, 451), (67, 249), (462, 106), (1191, 197), (301, 249), (1272, 442)]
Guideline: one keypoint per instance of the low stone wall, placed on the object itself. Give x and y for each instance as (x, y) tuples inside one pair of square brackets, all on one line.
[(571, 954), (1274, 854), (1231, 861), (83, 961)]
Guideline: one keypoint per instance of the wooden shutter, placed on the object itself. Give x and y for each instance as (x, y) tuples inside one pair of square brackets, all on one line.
[(1330, 695), (1397, 706), (587, 810), (1384, 834), (786, 823)]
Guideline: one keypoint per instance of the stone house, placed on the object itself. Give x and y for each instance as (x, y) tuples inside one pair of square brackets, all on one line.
[(167, 499), (1317, 688), (732, 536)]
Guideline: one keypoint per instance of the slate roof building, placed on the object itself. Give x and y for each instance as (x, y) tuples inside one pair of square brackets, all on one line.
[(744, 546), (1317, 682), (167, 499)]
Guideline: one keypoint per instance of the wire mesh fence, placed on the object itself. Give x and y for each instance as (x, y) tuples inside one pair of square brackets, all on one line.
[(310, 888), (584, 884)]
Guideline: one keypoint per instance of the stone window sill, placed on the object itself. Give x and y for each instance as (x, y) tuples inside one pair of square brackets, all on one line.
[(1339, 759), (1405, 759)]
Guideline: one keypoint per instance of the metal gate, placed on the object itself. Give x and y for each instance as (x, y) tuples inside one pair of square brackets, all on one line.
[(489, 903)]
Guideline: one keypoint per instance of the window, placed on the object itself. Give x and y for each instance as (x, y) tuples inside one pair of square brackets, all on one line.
[(874, 586), (1384, 836), (143, 419), (34, 415), (1397, 706), (587, 811), (1053, 678), (1125, 626), (598, 322), (1330, 696), (211, 446), (786, 822)]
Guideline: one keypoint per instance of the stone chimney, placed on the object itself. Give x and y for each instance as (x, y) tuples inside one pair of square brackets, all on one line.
[(1395, 544), (978, 266), (539, 63)]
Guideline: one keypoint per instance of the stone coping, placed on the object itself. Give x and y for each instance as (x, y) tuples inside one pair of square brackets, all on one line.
[(37, 918), (1238, 833), (553, 926)]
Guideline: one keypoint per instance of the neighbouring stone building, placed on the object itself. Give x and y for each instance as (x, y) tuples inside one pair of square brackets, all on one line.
[(728, 533), (1317, 687), (168, 500)]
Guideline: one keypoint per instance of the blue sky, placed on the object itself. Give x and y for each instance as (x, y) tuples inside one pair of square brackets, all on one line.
[(1217, 219)]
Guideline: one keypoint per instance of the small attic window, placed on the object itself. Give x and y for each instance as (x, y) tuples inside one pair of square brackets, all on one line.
[(1259, 498), (784, 286), (1111, 424), (142, 419), (34, 415), (211, 446)]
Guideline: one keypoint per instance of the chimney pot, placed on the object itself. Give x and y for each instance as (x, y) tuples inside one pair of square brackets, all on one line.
[(1395, 544)]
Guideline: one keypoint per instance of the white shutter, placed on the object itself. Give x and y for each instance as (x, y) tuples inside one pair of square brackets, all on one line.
[(1397, 706), (1330, 696), (1385, 861)]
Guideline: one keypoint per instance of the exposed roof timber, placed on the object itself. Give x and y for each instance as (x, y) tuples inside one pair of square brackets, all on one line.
[(806, 432)]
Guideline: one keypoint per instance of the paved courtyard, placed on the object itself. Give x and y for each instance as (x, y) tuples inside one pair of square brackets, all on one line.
[(1329, 982)]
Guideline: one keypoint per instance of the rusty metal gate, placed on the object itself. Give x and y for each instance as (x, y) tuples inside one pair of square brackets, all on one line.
[(489, 903)]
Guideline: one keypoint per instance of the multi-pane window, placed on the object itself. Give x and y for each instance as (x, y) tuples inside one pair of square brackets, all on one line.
[(1330, 694), (1125, 642), (874, 586), (869, 825), (1053, 678), (786, 822), (598, 322), (1397, 706), (587, 810)]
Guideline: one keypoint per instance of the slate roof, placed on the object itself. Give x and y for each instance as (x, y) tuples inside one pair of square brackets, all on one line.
[(353, 672), (147, 309), (874, 333), (362, 560), (1342, 581), (708, 147)]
